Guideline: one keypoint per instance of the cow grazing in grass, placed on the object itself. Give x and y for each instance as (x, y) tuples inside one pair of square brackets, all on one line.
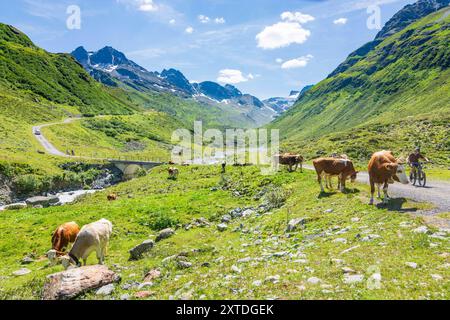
[(64, 235), (112, 197), (326, 167), (291, 160), (173, 173), (92, 237), (384, 169)]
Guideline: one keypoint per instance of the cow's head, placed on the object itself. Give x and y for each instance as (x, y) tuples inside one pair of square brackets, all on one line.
[(353, 176), (398, 172)]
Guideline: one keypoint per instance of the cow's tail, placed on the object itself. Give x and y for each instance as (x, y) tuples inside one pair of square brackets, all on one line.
[(56, 239)]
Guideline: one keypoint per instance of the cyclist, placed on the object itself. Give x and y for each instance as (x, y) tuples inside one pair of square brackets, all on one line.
[(414, 160)]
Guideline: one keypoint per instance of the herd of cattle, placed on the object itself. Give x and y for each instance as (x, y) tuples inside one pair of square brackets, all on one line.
[(383, 170)]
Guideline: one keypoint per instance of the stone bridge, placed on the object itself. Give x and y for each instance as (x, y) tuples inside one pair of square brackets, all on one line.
[(129, 168)]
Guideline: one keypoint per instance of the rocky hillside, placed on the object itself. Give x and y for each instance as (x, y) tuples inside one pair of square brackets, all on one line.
[(405, 74)]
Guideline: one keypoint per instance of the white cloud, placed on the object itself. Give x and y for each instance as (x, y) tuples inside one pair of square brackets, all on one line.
[(282, 34), (286, 32), (141, 5), (297, 63), (189, 30), (220, 20), (279, 60), (340, 21), (232, 76), (173, 21), (203, 19), (296, 17)]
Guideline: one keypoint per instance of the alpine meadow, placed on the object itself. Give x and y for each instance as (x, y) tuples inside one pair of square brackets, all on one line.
[(284, 171)]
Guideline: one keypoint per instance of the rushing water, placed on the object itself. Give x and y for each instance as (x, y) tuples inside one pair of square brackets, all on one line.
[(66, 197)]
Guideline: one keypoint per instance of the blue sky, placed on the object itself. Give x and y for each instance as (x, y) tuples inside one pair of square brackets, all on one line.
[(264, 47)]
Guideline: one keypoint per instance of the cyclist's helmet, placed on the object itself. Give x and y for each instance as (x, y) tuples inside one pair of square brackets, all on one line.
[(417, 149)]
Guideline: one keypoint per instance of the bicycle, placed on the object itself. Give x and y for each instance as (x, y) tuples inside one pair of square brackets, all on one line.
[(418, 176)]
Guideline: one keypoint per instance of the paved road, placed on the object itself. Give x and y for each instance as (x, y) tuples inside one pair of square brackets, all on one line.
[(436, 192), (50, 148)]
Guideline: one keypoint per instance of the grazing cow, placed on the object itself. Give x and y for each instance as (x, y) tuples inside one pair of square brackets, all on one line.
[(329, 178), (224, 167), (63, 236), (335, 167), (112, 197), (92, 237), (291, 160), (384, 169), (173, 173)]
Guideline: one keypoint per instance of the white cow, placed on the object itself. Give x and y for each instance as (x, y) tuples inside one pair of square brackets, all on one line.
[(92, 237)]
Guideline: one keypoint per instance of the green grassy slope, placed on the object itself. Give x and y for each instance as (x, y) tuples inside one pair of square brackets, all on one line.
[(28, 71), (140, 136), (404, 76), (149, 204)]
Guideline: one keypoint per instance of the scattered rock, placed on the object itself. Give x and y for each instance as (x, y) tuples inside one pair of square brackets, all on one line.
[(15, 206), (314, 280), (125, 297), (222, 227), (143, 294), (21, 272), (184, 264), (355, 219), (226, 218), (105, 290), (27, 260), (353, 278), (295, 223), (248, 213), (411, 265), (152, 275), (71, 283), (145, 285), (437, 277), (370, 237), (273, 279), (348, 270), (42, 201), (340, 240), (350, 249), (236, 269), (137, 252), (422, 229), (257, 283), (165, 234), (328, 211)]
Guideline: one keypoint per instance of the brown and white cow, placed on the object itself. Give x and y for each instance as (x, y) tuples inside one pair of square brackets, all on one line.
[(63, 236), (326, 167), (291, 160), (384, 169), (112, 197), (173, 173)]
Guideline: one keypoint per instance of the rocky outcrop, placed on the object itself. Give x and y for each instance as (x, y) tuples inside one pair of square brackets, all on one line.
[(42, 201), (74, 282)]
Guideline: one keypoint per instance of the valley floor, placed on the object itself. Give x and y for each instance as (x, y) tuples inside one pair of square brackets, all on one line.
[(341, 249)]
